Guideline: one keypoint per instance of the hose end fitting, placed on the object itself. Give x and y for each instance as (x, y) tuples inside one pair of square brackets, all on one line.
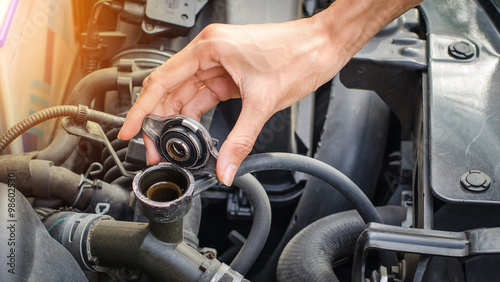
[(164, 192)]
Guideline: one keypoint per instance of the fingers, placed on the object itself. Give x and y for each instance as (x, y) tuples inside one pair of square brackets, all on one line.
[(201, 103), (161, 82), (182, 95), (152, 156), (240, 142), (216, 90)]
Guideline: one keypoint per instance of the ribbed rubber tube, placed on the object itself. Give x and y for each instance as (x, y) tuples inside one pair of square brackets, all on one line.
[(56, 112), (310, 254)]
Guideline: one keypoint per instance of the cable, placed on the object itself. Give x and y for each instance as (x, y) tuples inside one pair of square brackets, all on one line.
[(56, 112), (96, 8), (91, 47)]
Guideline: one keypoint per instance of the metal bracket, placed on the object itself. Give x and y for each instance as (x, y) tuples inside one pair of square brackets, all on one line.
[(423, 241), (94, 132)]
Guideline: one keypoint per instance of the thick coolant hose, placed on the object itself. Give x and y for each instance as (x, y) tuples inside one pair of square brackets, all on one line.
[(90, 87), (100, 81), (288, 161), (56, 112), (310, 254), (260, 226)]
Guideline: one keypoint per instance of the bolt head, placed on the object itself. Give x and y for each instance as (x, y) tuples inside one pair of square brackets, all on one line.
[(461, 50), (475, 181)]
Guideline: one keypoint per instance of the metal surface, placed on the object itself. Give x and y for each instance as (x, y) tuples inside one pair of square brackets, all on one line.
[(464, 100), (420, 241), (94, 132), (183, 141), (170, 15)]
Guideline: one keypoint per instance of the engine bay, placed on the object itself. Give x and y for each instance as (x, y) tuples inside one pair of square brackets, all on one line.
[(388, 172)]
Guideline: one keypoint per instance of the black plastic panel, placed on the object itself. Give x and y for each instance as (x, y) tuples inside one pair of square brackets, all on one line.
[(464, 100)]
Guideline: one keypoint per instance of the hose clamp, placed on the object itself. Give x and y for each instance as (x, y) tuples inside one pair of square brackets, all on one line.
[(94, 168), (81, 117)]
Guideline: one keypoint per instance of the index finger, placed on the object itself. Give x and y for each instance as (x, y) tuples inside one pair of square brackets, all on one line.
[(162, 81)]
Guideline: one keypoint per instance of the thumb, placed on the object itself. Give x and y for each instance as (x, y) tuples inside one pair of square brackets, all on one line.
[(239, 143), (152, 155)]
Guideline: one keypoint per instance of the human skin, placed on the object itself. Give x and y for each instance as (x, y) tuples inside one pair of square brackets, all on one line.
[(269, 66)]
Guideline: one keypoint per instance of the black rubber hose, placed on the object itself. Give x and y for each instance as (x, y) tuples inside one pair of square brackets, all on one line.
[(353, 141), (60, 148), (191, 222), (91, 86), (288, 161), (56, 112), (100, 81), (310, 254), (260, 226), (115, 172), (109, 162)]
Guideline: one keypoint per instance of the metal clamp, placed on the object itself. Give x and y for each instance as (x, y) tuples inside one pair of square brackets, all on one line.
[(423, 241), (94, 132), (84, 181)]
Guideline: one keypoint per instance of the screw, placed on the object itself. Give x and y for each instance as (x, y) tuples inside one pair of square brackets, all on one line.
[(149, 27), (461, 50), (475, 181), (209, 255)]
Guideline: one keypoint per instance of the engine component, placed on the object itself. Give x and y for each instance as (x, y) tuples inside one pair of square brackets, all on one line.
[(164, 193), (31, 254), (43, 180), (183, 141), (93, 131), (421, 241), (284, 161), (187, 143), (436, 69), (162, 16), (366, 117), (310, 255), (80, 113), (72, 229)]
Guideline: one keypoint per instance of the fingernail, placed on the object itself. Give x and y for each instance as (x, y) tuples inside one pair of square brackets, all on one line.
[(147, 160), (119, 135), (229, 174)]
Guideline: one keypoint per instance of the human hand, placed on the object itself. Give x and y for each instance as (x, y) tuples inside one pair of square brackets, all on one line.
[(255, 63), (270, 66)]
